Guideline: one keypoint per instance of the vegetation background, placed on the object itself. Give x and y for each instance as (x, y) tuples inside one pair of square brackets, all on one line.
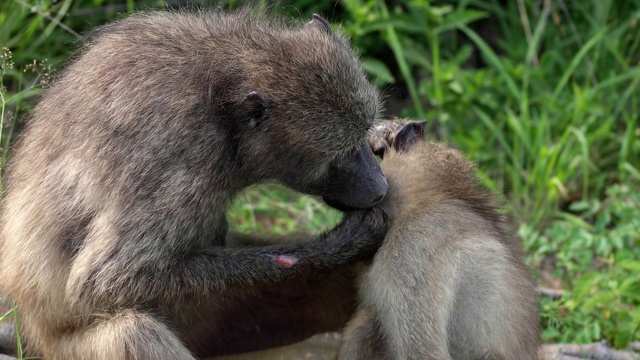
[(541, 94)]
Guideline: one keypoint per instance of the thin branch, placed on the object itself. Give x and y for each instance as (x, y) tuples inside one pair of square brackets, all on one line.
[(553, 294), (595, 351), (49, 17)]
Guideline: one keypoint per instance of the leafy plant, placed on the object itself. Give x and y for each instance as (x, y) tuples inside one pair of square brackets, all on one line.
[(542, 116), (598, 262)]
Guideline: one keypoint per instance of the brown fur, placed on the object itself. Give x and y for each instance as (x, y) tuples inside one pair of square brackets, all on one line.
[(449, 282), (113, 226)]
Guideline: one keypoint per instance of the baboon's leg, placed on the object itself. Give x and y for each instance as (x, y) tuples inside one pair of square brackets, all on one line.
[(362, 339), (128, 335), (271, 316)]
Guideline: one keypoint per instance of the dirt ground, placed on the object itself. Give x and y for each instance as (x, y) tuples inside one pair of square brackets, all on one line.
[(319, 347)]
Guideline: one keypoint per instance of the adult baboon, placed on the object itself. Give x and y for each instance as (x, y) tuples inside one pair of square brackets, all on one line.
[(113, 226), (448, 281)]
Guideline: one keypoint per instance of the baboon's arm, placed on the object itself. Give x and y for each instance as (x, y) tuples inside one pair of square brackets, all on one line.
[(128, 277), (272, 262), (237, 238)]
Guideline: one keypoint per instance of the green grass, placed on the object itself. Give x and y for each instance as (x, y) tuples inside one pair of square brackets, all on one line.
[(543, 95), (592, 251), (558, 136), (542, 132), (277, 210)]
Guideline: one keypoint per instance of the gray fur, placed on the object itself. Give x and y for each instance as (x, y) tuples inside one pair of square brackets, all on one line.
[(113, 225)]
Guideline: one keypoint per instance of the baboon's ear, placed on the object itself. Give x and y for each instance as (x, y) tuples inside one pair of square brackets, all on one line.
[(254, 109), (322, 24), (408, 135)]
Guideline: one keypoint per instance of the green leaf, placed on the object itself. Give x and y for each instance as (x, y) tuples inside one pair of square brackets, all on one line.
[(439, 11), (459, 19), (399, 22), (378, 70), (630, 265)]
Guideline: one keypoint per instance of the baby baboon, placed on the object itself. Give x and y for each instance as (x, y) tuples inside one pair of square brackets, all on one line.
[(448, 281), (114, 236)]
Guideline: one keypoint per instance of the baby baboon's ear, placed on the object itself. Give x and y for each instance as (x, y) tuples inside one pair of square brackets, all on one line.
[(320, 23), (408, 135), (254, 109)]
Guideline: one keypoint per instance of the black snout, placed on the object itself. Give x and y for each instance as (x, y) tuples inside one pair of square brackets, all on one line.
[(380, 189), (380, 198), (358, 183)]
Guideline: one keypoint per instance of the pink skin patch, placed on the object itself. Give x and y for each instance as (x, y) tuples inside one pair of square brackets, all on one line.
[(285, 260)]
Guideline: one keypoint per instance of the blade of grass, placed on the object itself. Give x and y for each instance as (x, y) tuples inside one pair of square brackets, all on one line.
[(584, 147), (538, 31), (7, 314), (632, 89), (613, 81), (496, 132), (575, 62), (396, 48), (16, 327), (627, 139), (531, 52), (492, 59), (632, 170)]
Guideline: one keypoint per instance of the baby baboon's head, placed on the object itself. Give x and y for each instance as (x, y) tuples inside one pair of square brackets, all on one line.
[(419, 170)]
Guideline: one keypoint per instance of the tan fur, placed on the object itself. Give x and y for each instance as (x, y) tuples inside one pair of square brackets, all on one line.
[(449, 282)]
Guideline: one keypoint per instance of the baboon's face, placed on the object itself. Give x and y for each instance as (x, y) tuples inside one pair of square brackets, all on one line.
[(347, 177), (311, 111), (330, 149), (352, 179), (318, 149)]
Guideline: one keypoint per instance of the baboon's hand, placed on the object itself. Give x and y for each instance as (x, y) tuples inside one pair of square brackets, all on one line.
[(376, 221), (357, 238), (365, 230), (392, 204)]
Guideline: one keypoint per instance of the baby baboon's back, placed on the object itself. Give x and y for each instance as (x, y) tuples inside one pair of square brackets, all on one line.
[(448, 282)]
